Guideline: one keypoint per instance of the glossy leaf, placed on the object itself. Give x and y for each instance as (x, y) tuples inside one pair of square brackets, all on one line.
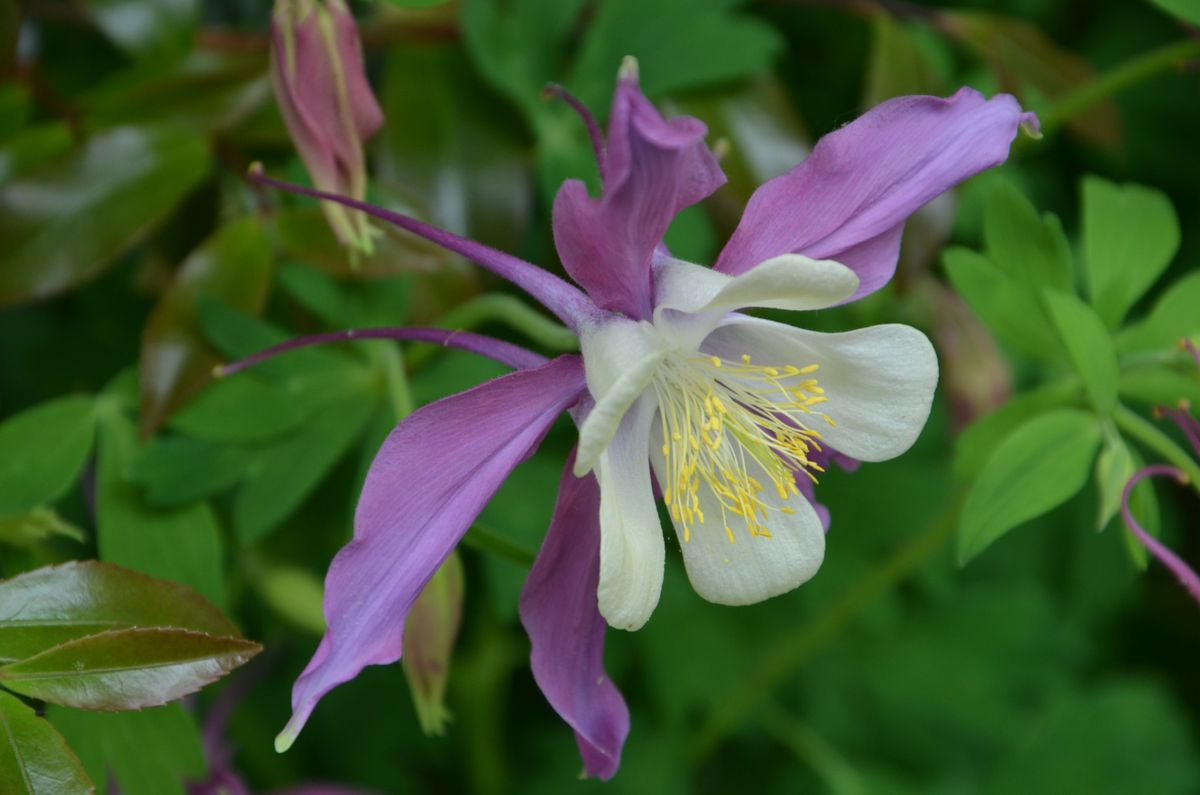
[(1009, 308), (56, 604), (34, 758), (126, 668), (42, 451), (39, 524), (1174, 316), (67, 222), (1032, 251), (148, 752), (1088, 345), (1130, 235), (1027, 62), (33, 146), (1042, 464), (147, 28), (234, 266), (181, 544)]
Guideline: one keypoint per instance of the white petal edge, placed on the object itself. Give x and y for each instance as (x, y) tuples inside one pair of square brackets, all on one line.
[(620, 359), (632, 551), (751, 568), (879, 380), (789, 281)]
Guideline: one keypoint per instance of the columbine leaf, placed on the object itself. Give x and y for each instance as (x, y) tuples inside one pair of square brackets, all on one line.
[(1157, 385), (1089, 347), (1114, 467), (243, 408), (151, 752), (64, 225), (1043, 464), (181, 544), (1009, 308), (1187, 10), (127, 668), (1032, 251), (42, 450), (1173, 317), (975, 444), (233, 265), (34, 758), (56, 604), (898, 63), (178, 470), (1130, 235)]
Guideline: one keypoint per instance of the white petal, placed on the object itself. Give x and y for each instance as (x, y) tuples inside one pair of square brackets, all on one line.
[(790, 281), (632, 552), (879, 380), (620, 359), (750, 568)]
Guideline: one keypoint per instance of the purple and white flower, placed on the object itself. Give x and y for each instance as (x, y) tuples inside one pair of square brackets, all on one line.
[(734, 416)]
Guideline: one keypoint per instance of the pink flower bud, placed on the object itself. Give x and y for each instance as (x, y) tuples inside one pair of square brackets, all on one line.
[(429, 635), (327, 104)]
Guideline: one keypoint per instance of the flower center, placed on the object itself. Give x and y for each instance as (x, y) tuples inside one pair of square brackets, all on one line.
[(719, 418)]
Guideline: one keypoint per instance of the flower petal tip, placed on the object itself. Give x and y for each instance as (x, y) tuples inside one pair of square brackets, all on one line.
[(285, 739), (1030, 125), (629, 70), (256, 170)]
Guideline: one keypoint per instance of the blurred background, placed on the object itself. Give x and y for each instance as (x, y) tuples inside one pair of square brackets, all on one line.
[(134, 256)]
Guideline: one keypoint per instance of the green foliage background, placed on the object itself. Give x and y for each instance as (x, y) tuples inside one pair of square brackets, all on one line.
[(134, 256)]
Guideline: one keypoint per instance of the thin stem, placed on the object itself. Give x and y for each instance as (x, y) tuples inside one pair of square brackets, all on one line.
[(567, 302), (505, 352), (485, 540), (836, 773), (790, 650), (511, 311), (1117, 80), (1148, 434), (1187, 578)]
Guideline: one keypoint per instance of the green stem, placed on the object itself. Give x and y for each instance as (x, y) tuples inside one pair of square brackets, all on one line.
[(507, 309), (391, 361), (1147, 433), (1117, 80), (790, 650), (485, 540), (838, 775)]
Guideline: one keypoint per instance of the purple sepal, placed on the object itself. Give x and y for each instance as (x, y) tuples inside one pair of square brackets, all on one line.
[(652, 169), (849, 199), (429, 481), (560, 612)]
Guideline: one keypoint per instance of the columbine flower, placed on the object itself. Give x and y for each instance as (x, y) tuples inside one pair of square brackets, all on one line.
[(326, 103), (735, 416), (1190, 427)]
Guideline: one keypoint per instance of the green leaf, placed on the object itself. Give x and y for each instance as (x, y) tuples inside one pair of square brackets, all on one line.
[(241, 408), (29, 529), (975, 444), (34, 758), (42, 451), (296, 595), (1130, 235), (1089, 346), (675, 42), (65, 223), (181, 544), (1187, 10), (178, 469), (33, 146), (1040, 466), (898, 64), (151, 752), (1143, 504), (1009, 308), (1114, 467), (56, 604), (1173, 317), (147, 28), (1032, 251), (234, 266), (1158, 385), (281, 476), (127, 668)]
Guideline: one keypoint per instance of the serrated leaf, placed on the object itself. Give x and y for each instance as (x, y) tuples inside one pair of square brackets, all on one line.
[(181, 544), (34, 758), (234, 266), (1174, 316), (42, 451), (30, 529), (1130, 235), (1009, 308), (55, 604), (1032, 251), (126, 668), (64, 224), (148, 752), (1041, 465), (1088, 345)]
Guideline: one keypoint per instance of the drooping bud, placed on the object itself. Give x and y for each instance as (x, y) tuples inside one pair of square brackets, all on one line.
[(429, 636), (327, 104)]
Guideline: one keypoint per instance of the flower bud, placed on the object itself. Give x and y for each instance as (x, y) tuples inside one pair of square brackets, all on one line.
[(327, 104), (429, 636)]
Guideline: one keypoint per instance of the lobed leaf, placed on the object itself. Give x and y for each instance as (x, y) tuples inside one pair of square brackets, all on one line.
[(1089, 347), (1174, 316)]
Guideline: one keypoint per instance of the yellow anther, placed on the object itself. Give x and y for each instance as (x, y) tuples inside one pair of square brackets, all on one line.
[(716, 361), (745, 358), (812, 368)]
